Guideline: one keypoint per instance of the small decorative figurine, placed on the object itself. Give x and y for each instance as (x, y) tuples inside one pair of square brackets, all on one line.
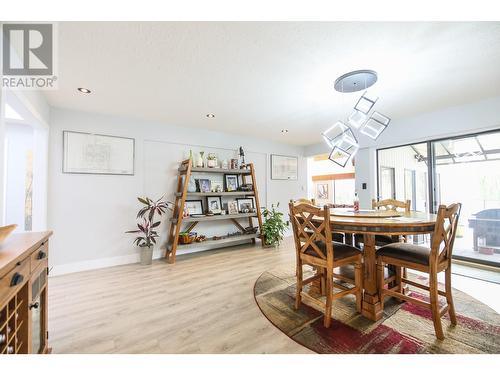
[(242, 158)]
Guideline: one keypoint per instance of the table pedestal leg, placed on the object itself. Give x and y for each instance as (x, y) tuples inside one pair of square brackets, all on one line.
[(371, 304)]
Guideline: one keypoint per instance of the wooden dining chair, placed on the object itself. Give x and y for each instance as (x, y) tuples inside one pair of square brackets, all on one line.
[(431, 260), (337, 236), (311, 201), (314, 247)]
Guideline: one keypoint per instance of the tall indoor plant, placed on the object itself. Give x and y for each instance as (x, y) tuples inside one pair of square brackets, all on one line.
[(274, 226), (147, 226)]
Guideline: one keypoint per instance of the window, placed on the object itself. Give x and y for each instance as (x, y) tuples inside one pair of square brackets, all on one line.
[(402, 174), (387, 183), (463, 169)]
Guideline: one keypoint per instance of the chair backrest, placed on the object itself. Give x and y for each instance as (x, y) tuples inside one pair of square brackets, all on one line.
[(311, 201), (445, 232), (391, 205), (307, 232)]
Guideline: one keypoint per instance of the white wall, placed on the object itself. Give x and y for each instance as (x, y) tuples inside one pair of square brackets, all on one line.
[(90, 213), (464, 119)]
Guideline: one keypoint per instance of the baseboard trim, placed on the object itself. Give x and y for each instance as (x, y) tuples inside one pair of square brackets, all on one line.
[(95, 264)]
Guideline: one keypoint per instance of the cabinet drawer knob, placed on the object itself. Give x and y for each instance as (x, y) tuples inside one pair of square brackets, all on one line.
[(41, 255), (16, 279)]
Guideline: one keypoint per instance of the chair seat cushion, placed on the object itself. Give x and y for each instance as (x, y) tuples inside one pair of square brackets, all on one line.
[(340, 250), (380, 239), (407, 252), (338, 237)]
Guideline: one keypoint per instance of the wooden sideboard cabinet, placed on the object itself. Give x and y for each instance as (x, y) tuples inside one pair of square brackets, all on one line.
[(23, 293)]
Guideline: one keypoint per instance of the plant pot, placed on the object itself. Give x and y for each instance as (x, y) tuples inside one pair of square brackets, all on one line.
[(146, 255), (268, 245)]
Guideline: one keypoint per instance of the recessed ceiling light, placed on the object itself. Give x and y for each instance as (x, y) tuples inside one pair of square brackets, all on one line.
[(83, 90), (284, 131), (210, 115)]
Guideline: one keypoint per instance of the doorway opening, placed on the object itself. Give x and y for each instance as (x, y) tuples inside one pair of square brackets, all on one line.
[(330, 183), (25, 167)]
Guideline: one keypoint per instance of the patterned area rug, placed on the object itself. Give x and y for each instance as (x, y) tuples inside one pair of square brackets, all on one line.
[(405, 328)]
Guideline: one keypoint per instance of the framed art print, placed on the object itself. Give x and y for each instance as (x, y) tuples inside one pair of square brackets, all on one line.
[(194, 207), (87, 153), (284, 167), (214, 205), (245, 205), (231, 182)]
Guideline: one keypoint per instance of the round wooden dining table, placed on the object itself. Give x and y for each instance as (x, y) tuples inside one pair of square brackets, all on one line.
[(370, 223)]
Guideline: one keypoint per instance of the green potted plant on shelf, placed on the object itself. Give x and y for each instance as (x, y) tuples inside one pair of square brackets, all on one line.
[(274, 226), (148, 232)]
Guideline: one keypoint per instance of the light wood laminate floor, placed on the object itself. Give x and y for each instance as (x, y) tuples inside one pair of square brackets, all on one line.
[(202, 304)]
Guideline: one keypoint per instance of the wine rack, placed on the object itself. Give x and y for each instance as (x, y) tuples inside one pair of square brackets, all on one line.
[(13, 324), (24, 294)]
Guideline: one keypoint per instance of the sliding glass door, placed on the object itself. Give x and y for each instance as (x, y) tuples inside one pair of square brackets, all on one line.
[(402, 173), (461, 169), (469, 172)]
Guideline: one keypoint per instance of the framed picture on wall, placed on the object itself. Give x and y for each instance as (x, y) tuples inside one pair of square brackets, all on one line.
[(87, 153), (322, 191), (284, 167)]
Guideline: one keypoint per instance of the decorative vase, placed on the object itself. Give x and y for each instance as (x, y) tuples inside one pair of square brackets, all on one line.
[(146, 255), (212, 160), (225, 164), (199, 159)]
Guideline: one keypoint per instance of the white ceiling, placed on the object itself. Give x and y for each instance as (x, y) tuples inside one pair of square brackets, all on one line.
[(258, 77)]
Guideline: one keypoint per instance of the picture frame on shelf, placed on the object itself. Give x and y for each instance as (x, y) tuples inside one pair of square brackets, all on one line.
[(204, 185), (194, 207), (214, 204), (245, 205), (231, 182), (216, 186), (232, 208)]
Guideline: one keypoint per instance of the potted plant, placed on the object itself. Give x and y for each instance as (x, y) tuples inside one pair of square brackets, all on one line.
[(147, 226), (211, 160), (274, 226)]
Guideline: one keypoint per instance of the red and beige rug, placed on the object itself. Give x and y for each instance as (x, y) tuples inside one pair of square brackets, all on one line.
[(404, 329)]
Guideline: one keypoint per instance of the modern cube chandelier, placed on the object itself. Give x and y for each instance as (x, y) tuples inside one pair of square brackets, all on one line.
[(340, 137)]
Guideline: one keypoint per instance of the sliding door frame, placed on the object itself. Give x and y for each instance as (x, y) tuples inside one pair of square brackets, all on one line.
[(431, 165), (432, 178)]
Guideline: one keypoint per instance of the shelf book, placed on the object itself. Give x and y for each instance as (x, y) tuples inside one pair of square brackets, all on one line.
[(180, 224)]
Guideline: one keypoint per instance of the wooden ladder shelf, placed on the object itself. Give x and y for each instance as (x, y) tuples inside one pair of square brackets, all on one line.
[(177, 220)]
